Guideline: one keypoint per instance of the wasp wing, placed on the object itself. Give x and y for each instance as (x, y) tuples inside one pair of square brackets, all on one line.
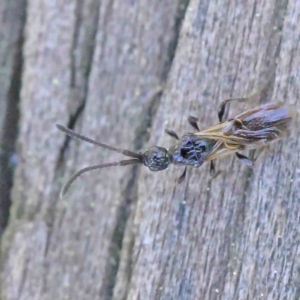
[(253, 128)]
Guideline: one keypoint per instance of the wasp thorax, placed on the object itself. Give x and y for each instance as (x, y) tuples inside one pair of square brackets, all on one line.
[(191, 150), (156, 158)]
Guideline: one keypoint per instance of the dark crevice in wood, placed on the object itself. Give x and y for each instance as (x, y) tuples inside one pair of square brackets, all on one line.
[(77, 26), (130, 195), (142, 133), (181, 10), (71, 124), (115, 248), (166, 262), (10, 129), (130, 192), (86, 64), (127, 207), (142, 136)]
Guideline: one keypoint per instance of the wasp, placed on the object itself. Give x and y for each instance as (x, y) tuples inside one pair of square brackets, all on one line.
[(252, 129)]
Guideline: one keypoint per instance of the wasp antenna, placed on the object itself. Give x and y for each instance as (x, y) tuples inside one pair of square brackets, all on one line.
[(121, 163), (73, 134)]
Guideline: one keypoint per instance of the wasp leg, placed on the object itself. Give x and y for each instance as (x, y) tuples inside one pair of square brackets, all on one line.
[(182, 177), (259, 151), (244, 159), (172, 133), (222, 107), (224, 103), (232, 126), (212, 170), (193, 122)]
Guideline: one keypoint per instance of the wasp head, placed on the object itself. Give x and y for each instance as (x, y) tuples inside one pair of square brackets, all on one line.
[(156, 158)]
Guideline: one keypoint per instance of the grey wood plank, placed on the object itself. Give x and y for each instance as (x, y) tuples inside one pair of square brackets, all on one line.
[(235, 237), (95, 66)]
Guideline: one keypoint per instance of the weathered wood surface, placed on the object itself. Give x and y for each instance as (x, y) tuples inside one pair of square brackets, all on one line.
[(12, 17), (128, 233)]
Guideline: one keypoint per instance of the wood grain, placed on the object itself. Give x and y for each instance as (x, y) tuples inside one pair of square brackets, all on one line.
[(120, 72), (96, 67), (235, 237)]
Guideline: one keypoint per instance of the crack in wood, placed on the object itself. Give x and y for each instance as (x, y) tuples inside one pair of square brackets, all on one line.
[(10, 126)]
